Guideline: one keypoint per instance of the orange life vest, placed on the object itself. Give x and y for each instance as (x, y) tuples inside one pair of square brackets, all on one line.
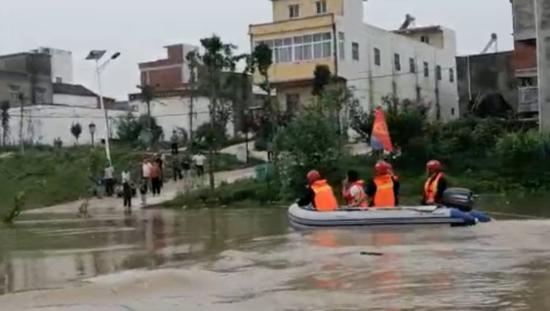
[(385, 195), (324, 200), (430, 188), (360, 201)]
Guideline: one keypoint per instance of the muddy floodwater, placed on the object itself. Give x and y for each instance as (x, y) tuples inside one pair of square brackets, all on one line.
[(222, 259)]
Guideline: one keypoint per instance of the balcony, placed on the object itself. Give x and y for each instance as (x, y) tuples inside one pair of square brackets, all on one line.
[(528, 99)]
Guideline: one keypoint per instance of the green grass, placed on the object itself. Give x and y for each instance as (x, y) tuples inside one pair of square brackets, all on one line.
[(50, 177), (228, 162), (242, 194)]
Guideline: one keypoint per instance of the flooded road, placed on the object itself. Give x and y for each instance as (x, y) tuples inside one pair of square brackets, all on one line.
[(251, 260)]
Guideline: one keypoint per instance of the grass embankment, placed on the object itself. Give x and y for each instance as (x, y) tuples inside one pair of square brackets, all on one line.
[(52, 176)]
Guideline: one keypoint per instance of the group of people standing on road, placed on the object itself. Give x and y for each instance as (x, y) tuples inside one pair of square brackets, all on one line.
[(382, 191)]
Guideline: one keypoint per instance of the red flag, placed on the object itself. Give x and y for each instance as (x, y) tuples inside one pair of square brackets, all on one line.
[(380, 138)]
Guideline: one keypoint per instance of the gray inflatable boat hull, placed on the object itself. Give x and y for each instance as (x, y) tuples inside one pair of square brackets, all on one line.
[(421, 215)]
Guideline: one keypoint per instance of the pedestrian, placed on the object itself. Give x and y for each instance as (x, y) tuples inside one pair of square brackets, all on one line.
[(143, 192), (155, 179), (176, 169), (146, 173), (185, 166), (199, 159), (160, 160), (269, 148), (174, 143), (109, 180), (127, 190)]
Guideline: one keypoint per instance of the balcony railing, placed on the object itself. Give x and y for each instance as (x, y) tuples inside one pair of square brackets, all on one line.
[(528, 99)]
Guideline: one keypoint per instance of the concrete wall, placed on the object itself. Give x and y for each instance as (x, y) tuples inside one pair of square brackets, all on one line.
[(307, 8), (543, 45), (42, 124), (61, 63), (484, 74), (75, 100), (172, 113), (524, 19), (28, 74)]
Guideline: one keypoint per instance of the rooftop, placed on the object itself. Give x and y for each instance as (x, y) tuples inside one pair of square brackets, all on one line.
[(425, 29), (72, 89)]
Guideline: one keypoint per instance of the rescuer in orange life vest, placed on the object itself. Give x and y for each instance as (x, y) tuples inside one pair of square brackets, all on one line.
[(435, 185), (353, 191), (319, 194), (383, 189)]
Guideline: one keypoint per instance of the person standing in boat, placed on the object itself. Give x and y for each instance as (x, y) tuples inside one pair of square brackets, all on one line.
[(436, 184), (319, 194), (353, 191), (383, 189)]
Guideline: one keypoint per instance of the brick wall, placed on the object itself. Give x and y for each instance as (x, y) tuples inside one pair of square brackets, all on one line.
[(525, 56)]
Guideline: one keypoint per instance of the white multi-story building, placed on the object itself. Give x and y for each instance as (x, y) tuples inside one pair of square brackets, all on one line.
[(416, 64)]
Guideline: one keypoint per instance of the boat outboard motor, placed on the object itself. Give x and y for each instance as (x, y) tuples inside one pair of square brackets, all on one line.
[(459, 198)]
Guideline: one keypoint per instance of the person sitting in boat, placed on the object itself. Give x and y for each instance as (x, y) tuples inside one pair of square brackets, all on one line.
[(353, 191), (383, 189), (319, 194), (436, 184)]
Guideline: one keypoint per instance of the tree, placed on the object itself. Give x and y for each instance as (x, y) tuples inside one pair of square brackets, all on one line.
[(216, 59), (76, 130), (262, 59), (130, 129), (321, 78), (5, 118), (192, 59), (147, 96)]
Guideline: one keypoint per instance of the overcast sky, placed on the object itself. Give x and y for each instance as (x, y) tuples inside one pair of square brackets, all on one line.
[(139, 28)]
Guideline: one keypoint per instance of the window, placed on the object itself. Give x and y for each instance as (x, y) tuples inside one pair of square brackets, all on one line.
[(412, 65), (58, 80), (342, 45), (294, 11), (425, 39), (397, 62), (292, 102), (438, 72), (321, 6), (355, 50), (426, 69), (377, 57), (451, 75), (301, 48), (452, 111)]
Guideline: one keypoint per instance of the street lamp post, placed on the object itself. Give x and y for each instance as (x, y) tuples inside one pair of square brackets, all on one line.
[(92, 128), (96, 55)]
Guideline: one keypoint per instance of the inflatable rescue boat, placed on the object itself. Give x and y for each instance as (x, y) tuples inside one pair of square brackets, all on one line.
[(458, 211)]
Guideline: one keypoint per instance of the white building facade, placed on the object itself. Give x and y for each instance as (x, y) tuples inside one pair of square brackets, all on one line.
[(173, 111), (61, 64), (43, 124), (415, 64)]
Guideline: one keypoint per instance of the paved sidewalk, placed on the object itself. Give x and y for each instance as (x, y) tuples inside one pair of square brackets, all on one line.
[(170, 191)]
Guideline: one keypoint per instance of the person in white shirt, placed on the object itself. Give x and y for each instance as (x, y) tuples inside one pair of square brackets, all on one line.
[(199, 159), (108, 177)]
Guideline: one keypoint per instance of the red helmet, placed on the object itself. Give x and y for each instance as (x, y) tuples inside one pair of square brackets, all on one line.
[(382, 168), (313, 176), (434, 166)]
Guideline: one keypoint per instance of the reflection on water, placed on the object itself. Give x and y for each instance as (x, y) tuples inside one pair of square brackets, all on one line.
[(251, 260), (43, 253)]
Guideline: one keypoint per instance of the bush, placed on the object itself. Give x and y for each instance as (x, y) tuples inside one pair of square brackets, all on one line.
[(310, 141)]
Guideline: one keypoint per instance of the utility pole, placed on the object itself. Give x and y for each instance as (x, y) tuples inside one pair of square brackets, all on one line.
[(542, 22), (21, 104)]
